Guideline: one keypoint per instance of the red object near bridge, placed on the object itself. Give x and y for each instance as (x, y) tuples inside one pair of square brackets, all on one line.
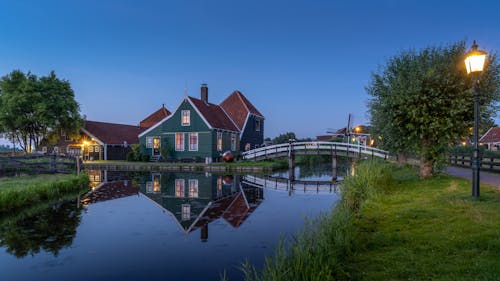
[(228, 156)]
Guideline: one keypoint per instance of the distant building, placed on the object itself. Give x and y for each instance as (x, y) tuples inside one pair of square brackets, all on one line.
[(491, 139), (97, 141), (102, 140)]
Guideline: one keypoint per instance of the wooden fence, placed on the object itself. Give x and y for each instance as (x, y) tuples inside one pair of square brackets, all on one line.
[(39, 164), (488, 163)]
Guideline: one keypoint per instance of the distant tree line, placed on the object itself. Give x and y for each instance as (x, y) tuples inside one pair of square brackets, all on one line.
[(35, 108), (285, 137)]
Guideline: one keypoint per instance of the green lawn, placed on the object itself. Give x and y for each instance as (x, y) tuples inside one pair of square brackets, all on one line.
[(428, 230), (25, 191), (390, 225)]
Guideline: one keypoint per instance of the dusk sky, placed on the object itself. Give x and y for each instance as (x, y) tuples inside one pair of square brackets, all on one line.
[(303, 64)]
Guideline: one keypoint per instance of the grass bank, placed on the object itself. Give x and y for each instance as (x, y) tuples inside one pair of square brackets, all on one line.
[(25, 191), (390, 225)]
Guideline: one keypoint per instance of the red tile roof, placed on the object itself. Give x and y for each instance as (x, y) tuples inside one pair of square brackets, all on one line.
[(237, 106), (110, 133), (110, 191), (214, 114), (492, 136), (155, 117)]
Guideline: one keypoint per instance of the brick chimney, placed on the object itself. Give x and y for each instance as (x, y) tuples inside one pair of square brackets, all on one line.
[(204, 93)]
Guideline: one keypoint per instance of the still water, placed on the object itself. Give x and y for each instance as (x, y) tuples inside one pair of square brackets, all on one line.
[(160, 226)]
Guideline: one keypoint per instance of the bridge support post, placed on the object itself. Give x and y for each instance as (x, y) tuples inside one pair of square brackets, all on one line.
[(291, 166), (291, 160), (334, 168)]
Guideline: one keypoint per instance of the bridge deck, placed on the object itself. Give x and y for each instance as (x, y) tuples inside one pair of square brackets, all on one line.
[(314, 148)]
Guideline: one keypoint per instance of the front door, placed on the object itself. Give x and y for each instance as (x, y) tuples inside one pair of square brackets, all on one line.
[(156, 147)]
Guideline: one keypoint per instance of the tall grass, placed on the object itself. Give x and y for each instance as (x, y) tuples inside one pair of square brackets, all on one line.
[(320, 249), (22, 192)]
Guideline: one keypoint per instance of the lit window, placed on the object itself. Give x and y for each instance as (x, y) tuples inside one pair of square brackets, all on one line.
[(193, 141), (156, 183), (219, 187), (186, 212), (91, 148), (257, 125), (193, 188), (233, 142), (186, 118), (156, 143), (219, 141), (149, 142), (179, 141), (179, 188)]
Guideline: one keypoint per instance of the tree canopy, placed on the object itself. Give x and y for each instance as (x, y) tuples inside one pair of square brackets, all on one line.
[(33, 108), (421, 101)]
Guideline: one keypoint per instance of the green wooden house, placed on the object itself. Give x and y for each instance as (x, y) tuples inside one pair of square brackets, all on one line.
[(197, 130)]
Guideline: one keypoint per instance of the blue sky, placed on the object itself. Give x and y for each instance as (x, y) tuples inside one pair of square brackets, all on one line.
[(303, 64)]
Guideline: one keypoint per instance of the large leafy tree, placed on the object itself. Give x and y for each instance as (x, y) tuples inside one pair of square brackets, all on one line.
[(421, 101), (33, 108)]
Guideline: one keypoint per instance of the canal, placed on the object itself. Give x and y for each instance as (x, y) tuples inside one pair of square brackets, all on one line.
[(162, 226)]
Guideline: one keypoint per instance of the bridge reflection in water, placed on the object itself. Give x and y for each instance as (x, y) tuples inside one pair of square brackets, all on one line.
[(292, 186)]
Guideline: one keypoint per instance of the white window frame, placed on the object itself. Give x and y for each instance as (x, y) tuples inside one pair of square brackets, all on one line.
[(193, 146), (149, 142), (185, 117), (44, 149), (149, 187), (219, 141), (233, 142), (186, 212), (179, 188), (56, 150), (97, 148), (193, 188), (257, 125), (178, 148)]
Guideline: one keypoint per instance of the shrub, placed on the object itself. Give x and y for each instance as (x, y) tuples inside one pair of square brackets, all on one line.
[(369, 178), (145, 158)]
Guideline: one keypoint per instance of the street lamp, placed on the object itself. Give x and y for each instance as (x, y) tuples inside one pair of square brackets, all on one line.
[(474, 63)]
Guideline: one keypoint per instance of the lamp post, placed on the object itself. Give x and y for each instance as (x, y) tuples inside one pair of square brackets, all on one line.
[(474, 63)]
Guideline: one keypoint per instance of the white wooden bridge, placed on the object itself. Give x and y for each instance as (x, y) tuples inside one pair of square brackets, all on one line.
[(314, 148)]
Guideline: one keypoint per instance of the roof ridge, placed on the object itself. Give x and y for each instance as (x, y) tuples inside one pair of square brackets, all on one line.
[(238, 93), (111, 123)]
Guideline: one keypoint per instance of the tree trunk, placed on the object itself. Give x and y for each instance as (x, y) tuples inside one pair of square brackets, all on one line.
[(425, 168), (402, 159), (426, 162)]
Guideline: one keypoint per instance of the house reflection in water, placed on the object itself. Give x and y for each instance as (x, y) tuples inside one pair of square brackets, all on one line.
[(108, 185), (195, 200)]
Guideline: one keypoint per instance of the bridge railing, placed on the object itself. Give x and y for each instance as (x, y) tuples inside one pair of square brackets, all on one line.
[(333, 147)]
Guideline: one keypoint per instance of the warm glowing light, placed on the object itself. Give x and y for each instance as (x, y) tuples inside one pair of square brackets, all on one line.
[(464, 143), (357, 129), (85, 143), (372, 142), (474, 62)]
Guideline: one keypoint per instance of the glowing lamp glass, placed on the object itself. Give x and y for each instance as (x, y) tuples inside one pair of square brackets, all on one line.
[(474, 62)]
